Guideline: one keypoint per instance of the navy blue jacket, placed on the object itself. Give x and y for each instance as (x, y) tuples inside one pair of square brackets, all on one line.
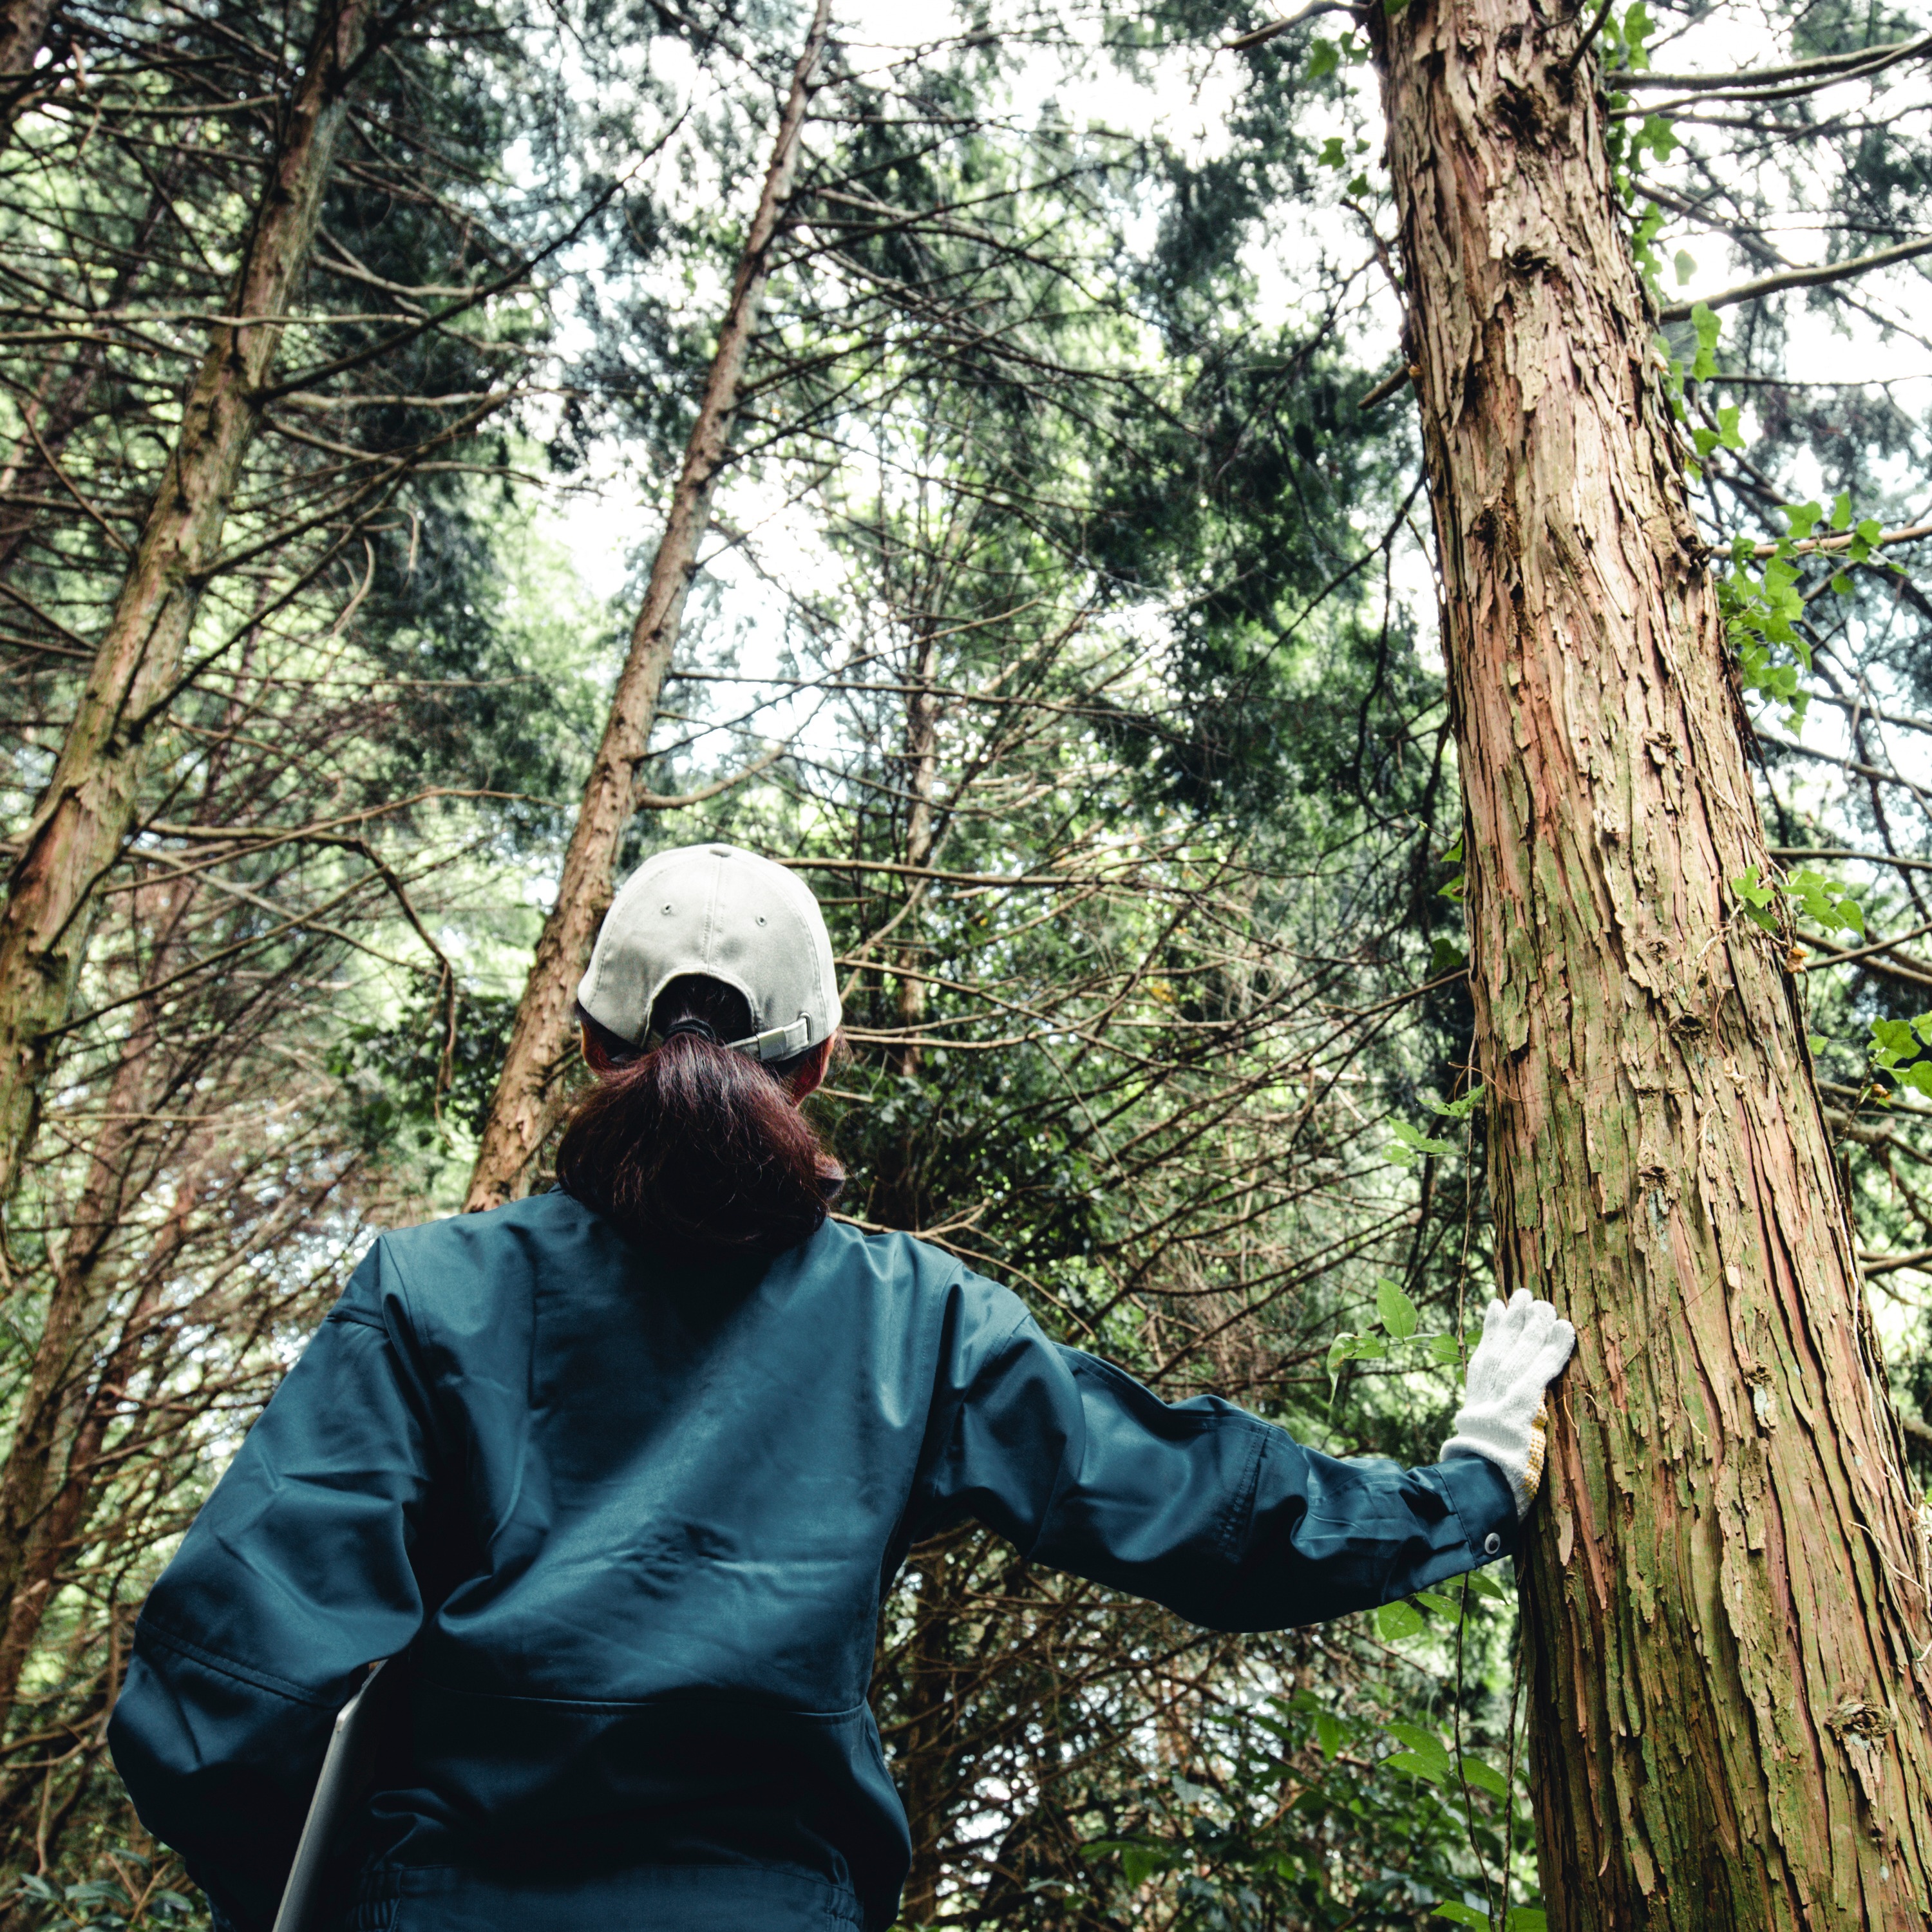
[(633, 1523)]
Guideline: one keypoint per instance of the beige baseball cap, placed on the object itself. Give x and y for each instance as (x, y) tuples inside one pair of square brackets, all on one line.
[(726, 912)]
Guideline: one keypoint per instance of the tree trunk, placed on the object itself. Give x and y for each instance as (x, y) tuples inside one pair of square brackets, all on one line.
[(1725, 1585), (86, 811), (524, 1106), (23, 28)]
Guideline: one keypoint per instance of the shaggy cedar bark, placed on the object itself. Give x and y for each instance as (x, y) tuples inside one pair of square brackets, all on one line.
[(1725, 1581), (524, 1106), (88, 807)]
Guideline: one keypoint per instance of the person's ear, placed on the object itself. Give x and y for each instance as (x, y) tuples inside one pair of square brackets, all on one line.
[(595, 1056), (812, 1073)]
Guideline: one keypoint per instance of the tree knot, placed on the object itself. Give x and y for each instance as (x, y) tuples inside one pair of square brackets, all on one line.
[(1853, 1717)]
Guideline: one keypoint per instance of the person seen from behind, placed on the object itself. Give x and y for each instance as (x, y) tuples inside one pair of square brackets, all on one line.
[(622, 1472)]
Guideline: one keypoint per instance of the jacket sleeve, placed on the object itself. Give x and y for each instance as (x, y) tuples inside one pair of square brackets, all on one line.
[(1224, 1519), (295, 1575)]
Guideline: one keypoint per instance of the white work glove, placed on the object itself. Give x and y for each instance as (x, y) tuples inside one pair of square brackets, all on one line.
[(1504, 1413)]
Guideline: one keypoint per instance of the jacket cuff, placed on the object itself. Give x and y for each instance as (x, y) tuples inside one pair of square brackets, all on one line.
[(1484, 1504)]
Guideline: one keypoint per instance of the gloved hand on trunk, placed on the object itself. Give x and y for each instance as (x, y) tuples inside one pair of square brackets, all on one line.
[(1504, 1411)]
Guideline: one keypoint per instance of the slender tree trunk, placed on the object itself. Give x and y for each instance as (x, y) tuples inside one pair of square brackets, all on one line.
[(86, 811), (1725, 1584), (922, 776), (524, 1106)]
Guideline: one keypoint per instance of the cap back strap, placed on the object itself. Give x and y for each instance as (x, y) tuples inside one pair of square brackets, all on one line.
[(778, 1043)]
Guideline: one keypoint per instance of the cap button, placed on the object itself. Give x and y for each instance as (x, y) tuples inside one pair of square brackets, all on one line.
[(666, 905), (1493, 1544)]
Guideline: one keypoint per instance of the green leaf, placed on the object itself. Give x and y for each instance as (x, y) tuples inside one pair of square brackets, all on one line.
[(1358, 186), (1729, 437), (1446, 956), (1332, 155), (1685, 265), (1458, 1110), (1417, 1767), (1483, 1776), (1399, 1314), (1324, 58), (1443, 1607), (1355, 1348), (1484, 1585), (1527, 1919), (1396, 1623), (1704, 319), (1918, 1076), (1445, 1348), (1328, 1733), (1871, 530), (1414, 1138), (1803, 518), (1841, 511), (1461, 1915), (1748, 888), (1422, 1740), (1841, 585)]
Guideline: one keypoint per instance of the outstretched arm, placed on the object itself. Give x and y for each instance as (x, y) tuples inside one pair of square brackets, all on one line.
[(1223, 1518)]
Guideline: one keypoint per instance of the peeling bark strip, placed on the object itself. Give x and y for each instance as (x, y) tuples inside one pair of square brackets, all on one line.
[(524, 1107), (89, 806), (1725, 1591)]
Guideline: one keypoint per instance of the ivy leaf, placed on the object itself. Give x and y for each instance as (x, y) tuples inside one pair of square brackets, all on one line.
[(1332, 155), (1358, 187), (1841, 511), (1399, 1315), (1685, 265), (1446, 956), (1324, 58), (1842, 584), (1803, 518), (1704, 319), (1417, 1141)]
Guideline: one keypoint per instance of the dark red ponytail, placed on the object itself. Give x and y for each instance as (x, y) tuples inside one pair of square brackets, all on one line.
[(695, 1150)]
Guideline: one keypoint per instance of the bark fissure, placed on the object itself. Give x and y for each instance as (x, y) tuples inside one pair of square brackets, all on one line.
[(1728, 1574)]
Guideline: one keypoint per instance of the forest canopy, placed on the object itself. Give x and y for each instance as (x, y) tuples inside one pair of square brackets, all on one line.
[(1057, 589)]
